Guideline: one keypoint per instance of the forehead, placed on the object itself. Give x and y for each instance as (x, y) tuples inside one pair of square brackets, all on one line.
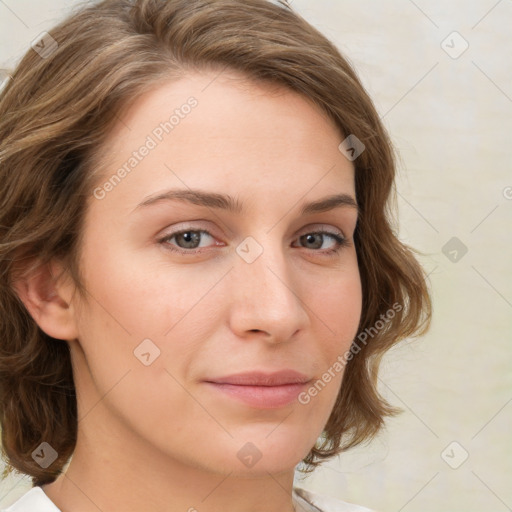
[(212, 131)]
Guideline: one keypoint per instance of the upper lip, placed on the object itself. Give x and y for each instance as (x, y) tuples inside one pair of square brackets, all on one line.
[(259, 378)]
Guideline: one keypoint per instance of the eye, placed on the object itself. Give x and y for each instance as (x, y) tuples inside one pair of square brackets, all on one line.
[(315, 240), (187, 240)]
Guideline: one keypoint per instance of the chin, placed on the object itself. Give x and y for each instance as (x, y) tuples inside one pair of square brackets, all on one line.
[(259, 457)]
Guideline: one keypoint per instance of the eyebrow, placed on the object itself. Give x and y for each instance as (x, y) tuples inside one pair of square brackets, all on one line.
[(230, 204)]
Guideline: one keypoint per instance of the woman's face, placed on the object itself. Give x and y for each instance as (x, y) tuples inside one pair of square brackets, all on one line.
[(226, 278)]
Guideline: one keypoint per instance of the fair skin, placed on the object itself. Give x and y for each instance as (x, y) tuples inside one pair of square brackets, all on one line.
[(160, 437)]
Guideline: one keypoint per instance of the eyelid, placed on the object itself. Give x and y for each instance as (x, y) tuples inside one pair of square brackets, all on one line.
[(328, 228), (190, 225)]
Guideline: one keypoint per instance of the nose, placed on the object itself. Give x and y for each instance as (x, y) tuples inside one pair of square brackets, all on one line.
[(267, 297)]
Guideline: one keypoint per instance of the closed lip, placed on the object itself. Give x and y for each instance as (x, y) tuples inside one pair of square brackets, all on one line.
[(260, 378), (260, 389)]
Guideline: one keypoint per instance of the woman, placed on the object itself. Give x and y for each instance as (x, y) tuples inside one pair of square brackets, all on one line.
[(199, 270)]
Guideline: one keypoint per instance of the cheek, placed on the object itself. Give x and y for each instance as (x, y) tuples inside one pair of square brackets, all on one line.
[(144, 312), (342, 303), (138, 340), (146, 297), (338, 310), (339, 306)]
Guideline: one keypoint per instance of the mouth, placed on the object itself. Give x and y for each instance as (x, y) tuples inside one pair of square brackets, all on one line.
[(261, 390)]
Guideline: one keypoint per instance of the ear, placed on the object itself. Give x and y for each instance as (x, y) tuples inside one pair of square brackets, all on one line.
[(47, 293)]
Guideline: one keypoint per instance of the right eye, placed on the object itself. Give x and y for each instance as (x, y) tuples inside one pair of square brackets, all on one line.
[(186, 240)]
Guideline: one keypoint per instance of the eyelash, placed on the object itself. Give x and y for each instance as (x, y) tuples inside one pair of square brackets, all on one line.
[(341, 241)]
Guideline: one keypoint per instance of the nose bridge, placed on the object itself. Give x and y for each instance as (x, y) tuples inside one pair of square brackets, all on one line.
[(265, 297)]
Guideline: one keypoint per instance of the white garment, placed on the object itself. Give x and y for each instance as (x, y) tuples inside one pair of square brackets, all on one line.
[(307, 501), (36, 500)]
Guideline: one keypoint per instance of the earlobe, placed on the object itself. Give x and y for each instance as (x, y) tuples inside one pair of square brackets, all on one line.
[(49, 301)]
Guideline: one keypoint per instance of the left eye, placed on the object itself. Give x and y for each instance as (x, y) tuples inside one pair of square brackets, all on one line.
[(318, 237)]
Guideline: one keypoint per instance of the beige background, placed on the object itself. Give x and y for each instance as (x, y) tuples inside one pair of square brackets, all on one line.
[(450, 116)]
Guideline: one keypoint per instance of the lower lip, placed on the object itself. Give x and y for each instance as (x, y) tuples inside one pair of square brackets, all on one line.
[(262, 397)]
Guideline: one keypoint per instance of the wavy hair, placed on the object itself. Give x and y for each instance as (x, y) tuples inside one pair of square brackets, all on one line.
[(61, 102)]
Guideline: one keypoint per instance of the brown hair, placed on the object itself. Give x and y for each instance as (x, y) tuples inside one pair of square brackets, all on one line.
[(59, 107)]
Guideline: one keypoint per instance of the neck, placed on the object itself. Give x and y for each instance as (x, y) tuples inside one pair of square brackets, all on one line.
[(141, 478)]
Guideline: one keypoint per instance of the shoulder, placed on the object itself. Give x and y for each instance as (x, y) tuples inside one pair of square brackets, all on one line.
[(309, 501), (34, 500)]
